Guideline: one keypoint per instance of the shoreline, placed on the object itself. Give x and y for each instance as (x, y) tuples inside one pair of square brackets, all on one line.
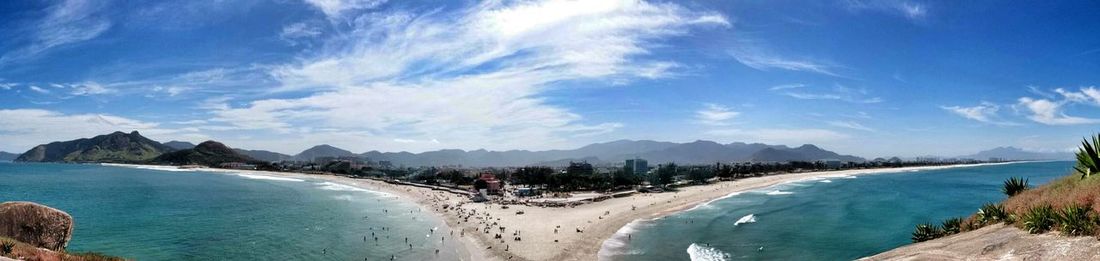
[(583, 232)]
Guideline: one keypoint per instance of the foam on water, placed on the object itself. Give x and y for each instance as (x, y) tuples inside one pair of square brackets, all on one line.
[(342, 187), (707, 205), (778, 192), (826, 181), (262, 177), (703, 253), (750, 218), (148, 167), (616, 245)]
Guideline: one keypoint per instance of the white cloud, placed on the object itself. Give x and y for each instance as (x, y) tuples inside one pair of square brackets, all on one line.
[(21, 129), (781, 136), (337, 8), (67, 22), (756, 56), (1050, 112), (909, 9), (38, 89), (7, 85), (89, 88), (292, 33), (468, 78), (715, 115), (985, 112), (838, 93), (850, 125), (786, 87)]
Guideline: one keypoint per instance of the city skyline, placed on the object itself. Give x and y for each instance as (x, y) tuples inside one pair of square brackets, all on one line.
[(875, 78)]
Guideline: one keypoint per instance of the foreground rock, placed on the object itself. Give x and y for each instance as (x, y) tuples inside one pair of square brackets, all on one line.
[(36, 224), (998, 242)]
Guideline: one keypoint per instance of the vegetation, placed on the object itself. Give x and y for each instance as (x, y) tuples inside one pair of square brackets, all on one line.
[(1014, 186), (952, 226), (1076, 220), (992, 213), (17, 250), (6, 247), (927, 231), (1039, 219), (1088, 157)]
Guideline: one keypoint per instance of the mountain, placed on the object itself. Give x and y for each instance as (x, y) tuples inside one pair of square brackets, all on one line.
[(264, 155), (697, 152), (5, 156), (323, 151), (179, 145), (117, 147), (802, 153), (1013, 153), (209, 153)]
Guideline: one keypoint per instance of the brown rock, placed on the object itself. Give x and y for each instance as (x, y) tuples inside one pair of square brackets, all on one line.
[(36, 224)]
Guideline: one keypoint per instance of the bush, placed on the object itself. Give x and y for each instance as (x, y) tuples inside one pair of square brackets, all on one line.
[(992, 213), (1076, 220), (1039, 219), (1014, 186), (952, 226), (926, 231)]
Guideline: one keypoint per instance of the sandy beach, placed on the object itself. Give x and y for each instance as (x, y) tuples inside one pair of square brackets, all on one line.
[(571, 233)]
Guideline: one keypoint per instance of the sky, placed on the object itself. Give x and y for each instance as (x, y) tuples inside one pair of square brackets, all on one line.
[(868, 78)]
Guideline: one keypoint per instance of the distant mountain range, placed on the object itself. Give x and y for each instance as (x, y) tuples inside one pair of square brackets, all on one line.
[(179, 145), (1013, 153), (5, 156)]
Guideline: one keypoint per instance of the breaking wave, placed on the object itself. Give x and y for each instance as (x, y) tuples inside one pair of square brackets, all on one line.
[(778, 192), (341, 187), (750, 218), (262, 177), (703, 253)]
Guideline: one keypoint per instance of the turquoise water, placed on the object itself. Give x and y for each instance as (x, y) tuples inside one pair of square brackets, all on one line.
[(167, 215), (839, 219)]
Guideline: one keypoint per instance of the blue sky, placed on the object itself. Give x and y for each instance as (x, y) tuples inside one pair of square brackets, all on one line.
[(870, 78)]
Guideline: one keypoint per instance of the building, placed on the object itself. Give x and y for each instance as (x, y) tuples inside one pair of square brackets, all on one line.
[(582, 168), (636, 166), (237, 165), (833, 163)]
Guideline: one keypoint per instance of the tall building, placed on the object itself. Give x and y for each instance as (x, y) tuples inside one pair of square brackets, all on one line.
[(636, 166)]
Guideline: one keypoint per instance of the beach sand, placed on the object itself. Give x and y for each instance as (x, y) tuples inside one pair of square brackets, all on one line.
[(552, 233)]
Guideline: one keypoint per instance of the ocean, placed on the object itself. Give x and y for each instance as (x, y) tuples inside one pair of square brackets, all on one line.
[(840, 218), (150, 214)]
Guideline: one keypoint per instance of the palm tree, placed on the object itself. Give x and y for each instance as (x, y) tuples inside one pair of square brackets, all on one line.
[(1088, 157)]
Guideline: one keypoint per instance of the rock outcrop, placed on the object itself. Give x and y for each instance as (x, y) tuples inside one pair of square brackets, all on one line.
[(36, 224), (997, 242)]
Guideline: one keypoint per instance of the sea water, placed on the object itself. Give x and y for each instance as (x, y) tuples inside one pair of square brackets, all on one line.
[(838, 218), (150, 214)]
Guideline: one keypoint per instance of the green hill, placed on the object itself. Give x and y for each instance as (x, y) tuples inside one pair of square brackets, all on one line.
[(117, 147), (209, 153)]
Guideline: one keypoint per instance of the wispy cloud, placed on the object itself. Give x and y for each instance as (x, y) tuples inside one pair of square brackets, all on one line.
[(715, 115), (469, 77), (66, 22), (38, 89), (22, 129), (911, 10), (1050, 112), (337, 8), (838, 93), (754, 54), (986, 112), (850, 125)]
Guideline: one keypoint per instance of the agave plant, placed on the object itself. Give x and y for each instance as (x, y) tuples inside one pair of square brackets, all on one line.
[(1039, 219), (952, 226), (992, 213), (926, 231), (1014, 185), (6, 247), (1088, 157), (1076, 220)]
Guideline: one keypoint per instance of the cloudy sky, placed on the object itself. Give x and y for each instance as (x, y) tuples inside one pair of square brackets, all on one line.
[(870, 78)]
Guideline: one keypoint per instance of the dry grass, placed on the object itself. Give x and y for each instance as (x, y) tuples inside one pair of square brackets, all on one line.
[(28, 252), (1067, 191)]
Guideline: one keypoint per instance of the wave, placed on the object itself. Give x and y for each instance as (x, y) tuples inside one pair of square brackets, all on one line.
[(826, 181), (148, 167), (342, 187), (707, 205), (778, 192), (262, 177), (750, 218), (703, 253), (616, 245)]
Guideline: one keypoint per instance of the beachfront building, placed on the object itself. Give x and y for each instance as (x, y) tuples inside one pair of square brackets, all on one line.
[(833, 163), (580, 168), (636, 166), (237, 165), (488, 184)]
